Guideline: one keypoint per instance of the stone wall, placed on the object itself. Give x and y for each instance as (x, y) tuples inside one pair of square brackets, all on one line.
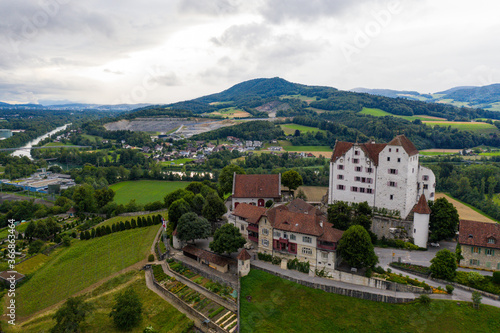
[(212, 277), (342, 291), (381, 226), (203, 323)]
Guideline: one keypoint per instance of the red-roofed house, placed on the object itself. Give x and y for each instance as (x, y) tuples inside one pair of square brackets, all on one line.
[(297, 230), (256, 189), (386, 175), (480, 242)]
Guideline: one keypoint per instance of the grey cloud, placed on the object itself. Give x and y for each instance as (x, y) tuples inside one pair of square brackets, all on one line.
[(169, 80), (213, 7), (249, 35)]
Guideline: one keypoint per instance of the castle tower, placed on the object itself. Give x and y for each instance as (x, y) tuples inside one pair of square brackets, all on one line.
[(421, 217), (243, 263)]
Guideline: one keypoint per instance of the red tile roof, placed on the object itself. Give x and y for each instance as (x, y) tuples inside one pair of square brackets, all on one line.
[(477, 233), (248, 212), (331, 234), (404, 142), (244, 255), (257, 186), (341, 147), (422, 207), (209, 256), (372, 150), (300, 206)]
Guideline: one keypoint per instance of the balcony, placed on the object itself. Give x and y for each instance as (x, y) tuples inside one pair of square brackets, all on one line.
[(253, 238), (253, 227), (327, 246)]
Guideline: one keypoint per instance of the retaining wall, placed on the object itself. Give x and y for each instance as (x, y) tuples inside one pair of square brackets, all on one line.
[(342, 291), (208, 275)]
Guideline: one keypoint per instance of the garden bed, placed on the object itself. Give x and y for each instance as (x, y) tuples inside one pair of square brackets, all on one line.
[(415, 269)]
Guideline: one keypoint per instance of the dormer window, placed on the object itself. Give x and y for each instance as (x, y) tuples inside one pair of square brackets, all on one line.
[(491, 240)]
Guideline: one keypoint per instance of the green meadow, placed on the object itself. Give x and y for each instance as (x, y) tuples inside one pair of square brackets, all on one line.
[(144, 191)]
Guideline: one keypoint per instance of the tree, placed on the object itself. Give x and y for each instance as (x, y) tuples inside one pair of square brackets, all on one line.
[(296, 133), (66, 240), (291, 179), (30, 231), (197, 203), (444, 265), (301, 195), (458, 253), (84, 198), (356, 248), (174, 196), (363, 215), (127, 311), (35, 247), (70, 315), (41, 230), (214, 207), (339, 214), (226, 177), (176, 210), (443, 220), (227, 239), (191, 227), (103, 196), (476, 299)]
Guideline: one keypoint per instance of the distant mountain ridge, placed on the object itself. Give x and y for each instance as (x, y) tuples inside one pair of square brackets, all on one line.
[(72, 106), (485, 97)]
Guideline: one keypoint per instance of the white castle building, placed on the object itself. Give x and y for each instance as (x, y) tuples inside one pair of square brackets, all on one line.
[(386, 175)]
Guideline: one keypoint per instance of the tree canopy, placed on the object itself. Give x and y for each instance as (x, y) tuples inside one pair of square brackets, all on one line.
[(69, 316), (291, 179), (443, 220), (214, 207), (226, 177), (356, 247), (127, 311), (191, 227), (227, 239), (444, 265), (177, 209)]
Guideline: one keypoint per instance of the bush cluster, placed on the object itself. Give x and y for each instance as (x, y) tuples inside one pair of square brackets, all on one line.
[(120, 226)]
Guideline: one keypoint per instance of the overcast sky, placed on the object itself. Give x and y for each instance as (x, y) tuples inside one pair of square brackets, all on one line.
[(162, 51)]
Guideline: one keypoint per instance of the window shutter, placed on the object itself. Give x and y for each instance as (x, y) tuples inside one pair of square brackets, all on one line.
[(396, 171), (479, 250), (395, 184), (470, 262), (388, 183), (472, 249), (492, 252)]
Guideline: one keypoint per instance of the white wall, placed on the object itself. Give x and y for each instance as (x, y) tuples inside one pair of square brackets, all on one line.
[(430, 182), (249, 201), (421, 229)]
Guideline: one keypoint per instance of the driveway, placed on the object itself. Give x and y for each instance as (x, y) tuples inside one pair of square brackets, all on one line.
[(388, 255)]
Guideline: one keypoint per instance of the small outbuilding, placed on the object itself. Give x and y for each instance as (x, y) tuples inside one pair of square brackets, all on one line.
[(210, 259), (243, 263), (7, 277)]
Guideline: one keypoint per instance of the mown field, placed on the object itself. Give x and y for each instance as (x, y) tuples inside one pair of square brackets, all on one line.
[(382, 113), (231, 112), (477, 127), (290, 129), (144, 191), (278, 305), (177, 162), (81, 265), (465, 211), (308, 148), (155, 312)]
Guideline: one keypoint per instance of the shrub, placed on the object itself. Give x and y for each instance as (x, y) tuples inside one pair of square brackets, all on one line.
[(424, 299), (276, 260), (496, 277), (368, 273), (449, 289), (151, 258), (264, 257), (379, 270)]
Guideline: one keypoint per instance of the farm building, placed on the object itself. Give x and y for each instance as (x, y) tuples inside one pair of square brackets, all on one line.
[(255, 189)]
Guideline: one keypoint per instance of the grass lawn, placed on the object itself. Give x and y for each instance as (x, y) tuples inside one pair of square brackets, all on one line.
[(32, 264), (289, 129), (231, 112), (477, 127), (493, 153), (144, 191), (496, 198), (4, 232), (81, 265), (155, 311), (278, 305), (382, 113), (177, 162), (434, 153)]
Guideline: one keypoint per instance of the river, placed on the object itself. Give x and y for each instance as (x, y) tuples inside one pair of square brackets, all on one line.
[(25, 151)]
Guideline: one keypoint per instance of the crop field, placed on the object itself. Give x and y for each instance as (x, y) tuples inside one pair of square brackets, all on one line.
[(466, 212), (290, 129), (476, 127), (177, 162), (291, 307), (81, 265), (492, 153), (155, 311), (437, 152), (313, 193), (32, 264), (308, 148), (382, 113), (144, 191)]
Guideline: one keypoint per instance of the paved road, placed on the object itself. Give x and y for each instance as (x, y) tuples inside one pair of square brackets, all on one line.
[(385, 256)]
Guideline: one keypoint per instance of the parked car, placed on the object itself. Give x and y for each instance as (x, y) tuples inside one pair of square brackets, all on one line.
[(436, 244)]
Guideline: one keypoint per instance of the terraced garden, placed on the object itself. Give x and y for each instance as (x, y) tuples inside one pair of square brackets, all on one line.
[(210, 309)]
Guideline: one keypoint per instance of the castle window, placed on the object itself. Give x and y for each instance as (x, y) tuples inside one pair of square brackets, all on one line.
[(265, 231), (354, 189), (397, 150), (357, 179), (392, 184), (340, 187), (393, 171), (362, 190), (306, 239), (391, 197), (340, 167), (388, 159), (399, 159), (277, 234), (340, 176), (491, 240), (306, 251), (359, 169), (390, 149), (356, 152), (265, 242), (355, 160), (425, 177), (292, 237), (432, 195), (489, 252), (369, 190), (369, 170)]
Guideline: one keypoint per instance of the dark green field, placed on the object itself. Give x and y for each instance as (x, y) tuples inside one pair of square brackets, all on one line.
[(278, 305), (144, 191)]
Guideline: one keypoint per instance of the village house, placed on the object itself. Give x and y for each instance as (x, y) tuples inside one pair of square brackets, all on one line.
[(480, 242), (255, 189), (297, 230)]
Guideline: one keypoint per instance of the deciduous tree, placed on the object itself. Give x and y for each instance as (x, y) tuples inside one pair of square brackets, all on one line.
[(71, 315), (176, 210), (127, 311), (444, 265), (291, 179), (227, 239), (443, 220), (226, 177), (214, 207), (356, 247), (191, 227)]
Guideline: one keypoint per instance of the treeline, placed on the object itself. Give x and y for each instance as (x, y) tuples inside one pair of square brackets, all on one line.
[(28, 209), (132, 138), (121, 226), (476, 184)]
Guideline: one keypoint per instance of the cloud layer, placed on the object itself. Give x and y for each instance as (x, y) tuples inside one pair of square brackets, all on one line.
[(165, 51)]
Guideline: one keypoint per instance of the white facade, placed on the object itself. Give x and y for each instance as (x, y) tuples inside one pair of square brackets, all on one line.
[(421, 229), (385, 176), (260, 202)]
